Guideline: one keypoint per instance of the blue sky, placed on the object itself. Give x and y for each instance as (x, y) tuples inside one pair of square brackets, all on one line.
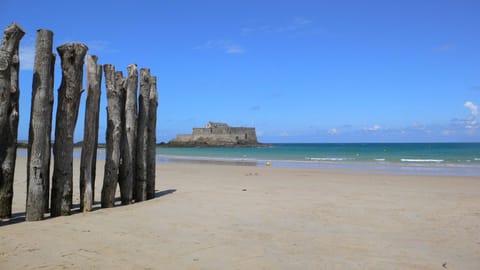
[(299, 71)]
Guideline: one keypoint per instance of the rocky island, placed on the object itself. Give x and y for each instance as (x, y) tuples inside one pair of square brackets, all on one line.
[(217, 135)]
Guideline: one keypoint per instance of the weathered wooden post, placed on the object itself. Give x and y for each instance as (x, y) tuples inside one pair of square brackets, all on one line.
[(113, 138), (39, 138), (123, 181), (72, 56), (127, 172), (9, 92), (152, 138), (142, 137), (8, 165), (90, 135)]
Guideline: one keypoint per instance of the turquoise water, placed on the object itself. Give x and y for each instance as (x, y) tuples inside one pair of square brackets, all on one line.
[(417, 158), (457, 159)]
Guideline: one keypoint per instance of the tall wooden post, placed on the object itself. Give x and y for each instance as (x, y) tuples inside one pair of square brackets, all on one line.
[(142, 137), (124, 171), (72, 56), (38, 162), (127, 172), (152, 138), (9, 91), (113, 138), (90, 135), (8, 165)]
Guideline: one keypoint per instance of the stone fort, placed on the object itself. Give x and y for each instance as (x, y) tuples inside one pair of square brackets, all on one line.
[(217, 134)]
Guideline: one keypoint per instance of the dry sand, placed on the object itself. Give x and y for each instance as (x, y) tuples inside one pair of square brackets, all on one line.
[(243, 217)]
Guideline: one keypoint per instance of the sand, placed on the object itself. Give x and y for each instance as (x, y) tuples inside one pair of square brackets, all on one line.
[(210, 216)]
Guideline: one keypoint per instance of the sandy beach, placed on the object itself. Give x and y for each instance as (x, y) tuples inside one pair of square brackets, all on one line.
[(210, 216)]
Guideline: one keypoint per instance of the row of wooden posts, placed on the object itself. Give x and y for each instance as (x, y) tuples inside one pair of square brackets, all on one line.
[(130, 135)]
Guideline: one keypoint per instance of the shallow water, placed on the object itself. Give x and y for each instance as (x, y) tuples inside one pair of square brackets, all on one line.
[(455, 159), (460, 159)]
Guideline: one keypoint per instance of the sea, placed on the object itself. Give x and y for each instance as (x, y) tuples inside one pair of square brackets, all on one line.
[(455, 159)]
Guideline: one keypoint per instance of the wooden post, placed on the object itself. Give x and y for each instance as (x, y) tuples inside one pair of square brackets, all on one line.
[(38, 161), (113, 138), (127, 172), (9, 91), (72, 56), (124, 171), (90, 135), (152, 138), (142, 137), (8, 165)]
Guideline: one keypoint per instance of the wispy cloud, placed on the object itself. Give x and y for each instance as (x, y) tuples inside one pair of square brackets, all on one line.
[(373, 128), (296, 24), (469, 123), (227, 46), (471, 120), (332, 131), (473, 108), (444, 48)]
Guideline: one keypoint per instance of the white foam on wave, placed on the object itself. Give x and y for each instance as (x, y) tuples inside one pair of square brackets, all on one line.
[(379, 159), (327, 159), (421, 160)]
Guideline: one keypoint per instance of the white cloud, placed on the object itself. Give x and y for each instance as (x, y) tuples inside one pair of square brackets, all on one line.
[(374, 128), (226, 46), (471, 120), (333, 131), (27, 57), (473, 108)]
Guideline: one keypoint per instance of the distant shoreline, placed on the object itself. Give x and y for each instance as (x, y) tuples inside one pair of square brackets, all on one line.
[(205, 145)]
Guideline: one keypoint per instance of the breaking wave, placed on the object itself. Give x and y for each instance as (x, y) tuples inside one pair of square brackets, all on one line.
[(422, 160)]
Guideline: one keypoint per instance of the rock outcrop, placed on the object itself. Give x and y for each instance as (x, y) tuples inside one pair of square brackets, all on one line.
[(217, 135)]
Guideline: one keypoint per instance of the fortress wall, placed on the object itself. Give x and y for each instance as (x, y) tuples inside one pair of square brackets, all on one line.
[(211, 131), (226, 134), (184, 138), (245, 134), (220, 135), (202, 132)]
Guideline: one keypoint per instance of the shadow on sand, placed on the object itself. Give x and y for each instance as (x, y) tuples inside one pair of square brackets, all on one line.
[(20, 216)]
